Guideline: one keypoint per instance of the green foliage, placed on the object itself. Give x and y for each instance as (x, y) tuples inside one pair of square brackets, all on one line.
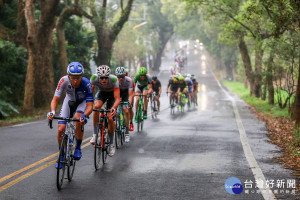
[(79, 42), (8, 15), (13, 65)]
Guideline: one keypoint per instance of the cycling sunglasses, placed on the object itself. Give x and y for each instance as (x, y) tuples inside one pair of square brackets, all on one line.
[(121, 76), (103, 77)]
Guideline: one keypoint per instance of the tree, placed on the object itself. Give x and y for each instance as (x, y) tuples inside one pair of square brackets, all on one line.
[(39, 84)]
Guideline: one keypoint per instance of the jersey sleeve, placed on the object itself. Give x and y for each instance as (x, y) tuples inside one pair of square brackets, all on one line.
[(61, 86), (89, 92), (135, 78), (115, 82)]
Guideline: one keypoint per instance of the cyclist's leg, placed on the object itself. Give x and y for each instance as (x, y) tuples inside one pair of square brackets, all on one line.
[(111, 123), (145, 92), (64, 112), (97, 105), (158, 102)]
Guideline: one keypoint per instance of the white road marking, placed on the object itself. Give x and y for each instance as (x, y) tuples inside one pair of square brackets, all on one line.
[(23, 124), (257, 172)]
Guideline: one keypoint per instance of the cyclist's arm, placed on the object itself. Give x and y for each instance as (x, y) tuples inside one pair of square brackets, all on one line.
[(89, 108), (117, 98), (54, 103), (131, 96)]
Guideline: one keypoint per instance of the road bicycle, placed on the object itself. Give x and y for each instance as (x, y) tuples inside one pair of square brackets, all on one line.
[(140, 112), (120, 125), (65, 157), (102, 139), (154, 105), (172, 103)]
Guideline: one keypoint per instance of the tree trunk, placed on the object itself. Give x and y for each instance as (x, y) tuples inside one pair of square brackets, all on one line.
[(296, 108), (269, 79), (258, 69), (247, 64), (39, 84)]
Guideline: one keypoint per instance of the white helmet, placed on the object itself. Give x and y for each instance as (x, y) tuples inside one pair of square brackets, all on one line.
[(187, 79), (103, 70), (120, 71), (188, 75)]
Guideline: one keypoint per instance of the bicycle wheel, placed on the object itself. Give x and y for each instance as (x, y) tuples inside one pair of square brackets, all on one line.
[(98, 150), (142, 119), (60, 175), (118, 131), (139, 118), (105, 146), (72, 162)]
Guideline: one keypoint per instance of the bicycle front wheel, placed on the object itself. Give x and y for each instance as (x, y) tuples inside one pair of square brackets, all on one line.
[(98, 150), (105, 146), (61, 162), (118, 132), (72, 162)]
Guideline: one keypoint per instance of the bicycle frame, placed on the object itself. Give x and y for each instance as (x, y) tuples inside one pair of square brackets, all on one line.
[(139, 111)]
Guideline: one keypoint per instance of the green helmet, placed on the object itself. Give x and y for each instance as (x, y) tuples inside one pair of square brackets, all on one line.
[(142, 71), (181, 78)]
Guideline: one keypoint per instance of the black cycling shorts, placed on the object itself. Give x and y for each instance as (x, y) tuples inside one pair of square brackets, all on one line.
[(105, 96), (124, 94)]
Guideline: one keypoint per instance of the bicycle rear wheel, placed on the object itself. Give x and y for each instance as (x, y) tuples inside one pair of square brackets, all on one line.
[(60, 175), (72, 162), (98, 150), (139, 118)]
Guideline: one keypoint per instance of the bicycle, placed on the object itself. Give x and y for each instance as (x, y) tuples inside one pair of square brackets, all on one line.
[(173, 104), (120, 125), (140, 113), (102, 139), (154, 106), (66, 151)]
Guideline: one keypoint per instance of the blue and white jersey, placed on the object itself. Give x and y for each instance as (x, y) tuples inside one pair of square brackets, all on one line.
[(83, 92)]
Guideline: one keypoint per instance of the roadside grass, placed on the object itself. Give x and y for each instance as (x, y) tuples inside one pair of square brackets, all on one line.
[(21, 118), (281, 129), (259, 104)]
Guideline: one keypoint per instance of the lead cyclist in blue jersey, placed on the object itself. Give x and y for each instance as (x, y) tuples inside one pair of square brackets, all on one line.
[(79, 99)]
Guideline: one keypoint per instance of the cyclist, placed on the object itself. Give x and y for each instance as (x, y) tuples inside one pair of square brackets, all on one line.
[(195, 84), (109, 92), (182, 87), (173, 86), (156, 86), (143, 84), (126, 94), (78, 99), (190, 85)]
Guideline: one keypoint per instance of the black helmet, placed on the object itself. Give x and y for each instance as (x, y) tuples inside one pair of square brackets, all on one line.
[(154, 78)]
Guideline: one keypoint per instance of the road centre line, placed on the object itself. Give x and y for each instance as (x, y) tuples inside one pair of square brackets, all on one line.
[(256, 170)]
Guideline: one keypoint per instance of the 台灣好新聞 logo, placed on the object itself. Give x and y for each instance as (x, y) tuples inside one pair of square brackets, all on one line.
[(233, 185)]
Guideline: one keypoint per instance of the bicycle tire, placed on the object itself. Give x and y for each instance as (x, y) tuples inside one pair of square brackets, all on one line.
[(118, 131), (71, 161), (105, 146), (60, 175), (138, 118), (97, 150)]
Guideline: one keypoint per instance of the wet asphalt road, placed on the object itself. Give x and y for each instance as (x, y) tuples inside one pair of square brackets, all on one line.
[(184, 156)]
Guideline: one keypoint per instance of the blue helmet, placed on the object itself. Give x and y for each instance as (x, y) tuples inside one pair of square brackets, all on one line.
[(75, 68)]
